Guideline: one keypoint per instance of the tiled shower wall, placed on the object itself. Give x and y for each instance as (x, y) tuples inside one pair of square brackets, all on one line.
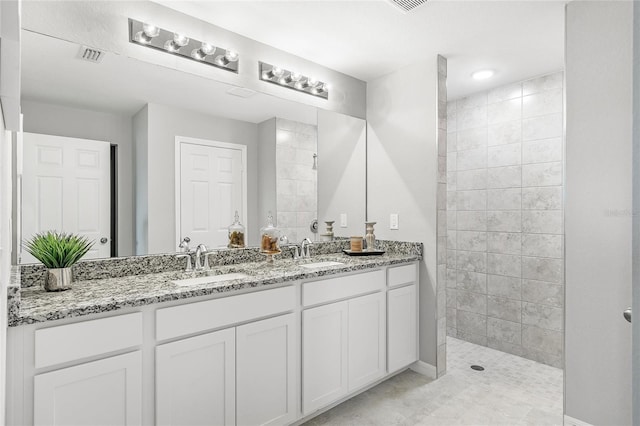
[(296, 180), (505, 283)]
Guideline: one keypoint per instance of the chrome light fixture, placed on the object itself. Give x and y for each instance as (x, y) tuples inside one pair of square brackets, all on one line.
[(293, 80), (149, 35)]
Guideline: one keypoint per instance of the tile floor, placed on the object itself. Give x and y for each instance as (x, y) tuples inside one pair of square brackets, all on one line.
[(511, 391)]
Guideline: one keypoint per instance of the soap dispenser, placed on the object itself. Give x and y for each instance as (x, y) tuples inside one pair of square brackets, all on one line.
[(236, 233)]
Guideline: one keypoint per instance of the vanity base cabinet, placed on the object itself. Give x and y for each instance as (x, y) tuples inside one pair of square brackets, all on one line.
[(104, 392), (266, 380), (367, 342), (402, 327), (324, 355), (195, 380)]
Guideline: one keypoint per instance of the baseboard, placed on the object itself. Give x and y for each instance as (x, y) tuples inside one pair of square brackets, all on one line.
[(570, 421), (425, 369)]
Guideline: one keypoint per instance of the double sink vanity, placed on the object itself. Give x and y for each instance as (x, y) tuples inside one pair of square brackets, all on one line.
[(139, 341)]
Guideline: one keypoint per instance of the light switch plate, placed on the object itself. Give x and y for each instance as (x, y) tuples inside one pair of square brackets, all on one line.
[(343, 220), (393, 221)]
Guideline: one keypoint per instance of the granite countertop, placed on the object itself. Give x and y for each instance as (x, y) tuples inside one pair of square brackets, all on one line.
[(33, 305)]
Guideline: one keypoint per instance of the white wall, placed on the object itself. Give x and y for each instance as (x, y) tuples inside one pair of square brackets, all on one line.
[(164, 124), (402, 163), (59, 120), (636, 208), (104, 25), (598, 211), (342, 145), (5, 251)]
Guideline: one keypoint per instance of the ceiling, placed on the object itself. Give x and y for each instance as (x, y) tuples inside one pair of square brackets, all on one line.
[(124, 85), (368, 39)]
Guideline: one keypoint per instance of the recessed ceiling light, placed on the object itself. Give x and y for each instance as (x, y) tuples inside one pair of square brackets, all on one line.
[(482, 74)]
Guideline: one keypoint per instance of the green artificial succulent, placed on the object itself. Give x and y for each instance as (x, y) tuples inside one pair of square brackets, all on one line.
[(58, 249)]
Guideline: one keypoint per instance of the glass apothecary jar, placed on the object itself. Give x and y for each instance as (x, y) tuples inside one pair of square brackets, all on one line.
[(236, 233), (269, 238)]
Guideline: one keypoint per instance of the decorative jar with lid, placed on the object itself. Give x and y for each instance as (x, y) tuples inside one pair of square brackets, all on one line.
[(236, 233), (269, 239)]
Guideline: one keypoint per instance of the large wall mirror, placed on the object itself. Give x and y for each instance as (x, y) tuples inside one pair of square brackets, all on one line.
[(137, 156)]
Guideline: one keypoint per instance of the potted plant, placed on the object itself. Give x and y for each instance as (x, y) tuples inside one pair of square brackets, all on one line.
[(58, 251)]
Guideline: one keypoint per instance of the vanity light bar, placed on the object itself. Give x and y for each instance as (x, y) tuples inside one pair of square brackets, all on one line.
[(292, 80), (178, 44)]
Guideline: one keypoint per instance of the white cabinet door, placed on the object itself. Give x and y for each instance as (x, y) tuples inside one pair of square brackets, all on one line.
[(366, 340), (105, 392), (324, 355), (195, 380), (266, 372), (402, 320)]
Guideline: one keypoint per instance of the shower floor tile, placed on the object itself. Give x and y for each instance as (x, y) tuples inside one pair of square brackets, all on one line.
[(510, 391)]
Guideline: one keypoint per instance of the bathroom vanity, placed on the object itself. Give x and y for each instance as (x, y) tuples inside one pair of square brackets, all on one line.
[(278, 345)]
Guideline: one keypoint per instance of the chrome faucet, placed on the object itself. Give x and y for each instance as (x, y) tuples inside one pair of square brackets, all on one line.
[(187, 256), (184, 245), (201, 251), (304, 248)]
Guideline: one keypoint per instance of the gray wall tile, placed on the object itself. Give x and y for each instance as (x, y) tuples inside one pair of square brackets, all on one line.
[(471, 200), (504, 242), (504, 221), (471, 139), (504, 177), (468, 118), (452, 140), (452, 277), (542, 151), (469, 322), (506, 287), (472, 159), (545, 174), (471, 240), (451, 222), (502, 111), (504, 155), (451, 317), (452, 160), (504, 133), (502, 308), (546, 82), (504, 199), (542, 103), (473, 338), (542, 340), (504, 264), (543, 127), (504, 331), (471, 261), (542, 198), (442, 169), (505, 347), (542, 245), (451, 298), (504, 93), (450, 258), (471, 221), (542, 221), (542, 269), (472, 281), (452, 239), (554, 360), (472, 101), (471, 302), (543, 293), (547, 317), (471, 179), (451, 199)]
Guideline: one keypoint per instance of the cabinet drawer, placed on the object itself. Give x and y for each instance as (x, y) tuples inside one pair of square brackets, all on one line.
[(400, 275), (71, 342), (192, 318), (331, 289)]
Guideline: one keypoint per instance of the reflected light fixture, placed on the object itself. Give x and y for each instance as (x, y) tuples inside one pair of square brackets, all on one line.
[(293, 80), (149, 35), (482, 74)]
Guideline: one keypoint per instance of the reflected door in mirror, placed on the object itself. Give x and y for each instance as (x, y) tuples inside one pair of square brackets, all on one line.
[(212, 187), (66, 188)]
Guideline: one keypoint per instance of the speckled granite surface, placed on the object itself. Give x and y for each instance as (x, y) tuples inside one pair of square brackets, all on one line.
[(108, 291)]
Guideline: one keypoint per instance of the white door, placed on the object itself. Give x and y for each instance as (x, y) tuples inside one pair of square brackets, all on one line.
[(324, 355), (66, 188), (212, 186), (367, 343), (195, 380), (402, 327), (266, 367), (105, 392)]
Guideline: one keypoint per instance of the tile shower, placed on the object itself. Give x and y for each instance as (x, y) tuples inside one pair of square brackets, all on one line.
[(505, 282)]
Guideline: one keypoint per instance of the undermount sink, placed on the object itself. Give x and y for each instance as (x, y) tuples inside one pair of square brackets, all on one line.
[(211, 279), (321, 264)]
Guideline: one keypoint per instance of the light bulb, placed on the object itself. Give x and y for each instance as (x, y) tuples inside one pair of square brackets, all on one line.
[(171, 46), (141, 37), (277, 72), (198, 54), (150, 30), (312, 81), (180, 39), (207, 48), (231, 56), (295, 76)]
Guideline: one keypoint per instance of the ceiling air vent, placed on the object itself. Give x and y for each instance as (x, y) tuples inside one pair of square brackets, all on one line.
[(407, 5), (90, 54)]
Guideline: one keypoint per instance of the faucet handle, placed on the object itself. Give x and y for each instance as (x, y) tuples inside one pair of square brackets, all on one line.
[(184, 244), (188, 268)]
